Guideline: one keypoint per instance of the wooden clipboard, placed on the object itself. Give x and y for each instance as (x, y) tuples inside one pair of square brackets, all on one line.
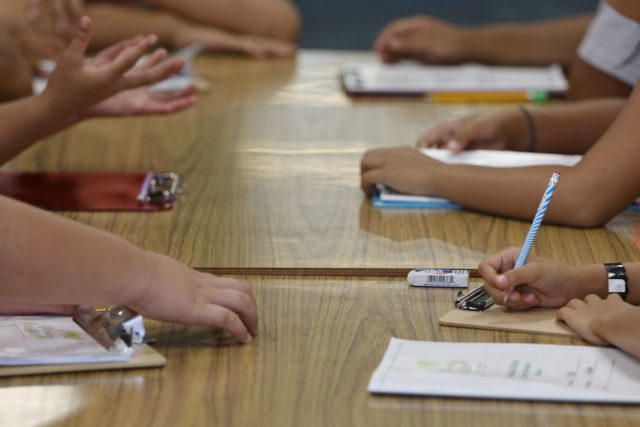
[(142, 357), (535, 320)]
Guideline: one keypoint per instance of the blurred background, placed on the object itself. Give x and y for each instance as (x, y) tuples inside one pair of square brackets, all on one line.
[(354, 24)]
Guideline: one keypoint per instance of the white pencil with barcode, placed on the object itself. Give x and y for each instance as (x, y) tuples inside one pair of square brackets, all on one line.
[(535, 225)]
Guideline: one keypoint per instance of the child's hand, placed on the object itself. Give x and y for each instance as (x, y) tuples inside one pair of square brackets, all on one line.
[(422, 38), (179, 294), (540, 282), (15, 70), (404, 169), (142, 101), (587, 317), (506, 129), (78, 83), (63, 15)]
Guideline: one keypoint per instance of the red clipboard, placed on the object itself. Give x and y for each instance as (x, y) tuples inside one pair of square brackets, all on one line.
[(93, 191)]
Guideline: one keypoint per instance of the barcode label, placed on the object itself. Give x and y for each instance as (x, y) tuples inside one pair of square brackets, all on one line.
[(440, 279)]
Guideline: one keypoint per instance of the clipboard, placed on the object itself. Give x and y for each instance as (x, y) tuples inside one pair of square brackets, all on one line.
[(142, 357), (416, 80), (93, 191), (534, 320)]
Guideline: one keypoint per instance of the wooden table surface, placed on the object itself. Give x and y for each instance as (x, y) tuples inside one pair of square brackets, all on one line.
[(320, 340), (271, 162)]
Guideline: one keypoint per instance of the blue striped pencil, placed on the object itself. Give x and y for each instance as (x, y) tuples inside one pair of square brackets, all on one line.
[(535, 225)]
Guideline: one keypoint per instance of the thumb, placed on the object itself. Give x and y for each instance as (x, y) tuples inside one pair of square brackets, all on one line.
[(80, 41), (527, 274)]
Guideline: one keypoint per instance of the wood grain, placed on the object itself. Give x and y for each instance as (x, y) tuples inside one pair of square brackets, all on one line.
[(320, 340), (271, 157)]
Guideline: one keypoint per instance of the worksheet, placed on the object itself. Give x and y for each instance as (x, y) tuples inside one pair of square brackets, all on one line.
[(508, 371), (36, 340), (413, 78)]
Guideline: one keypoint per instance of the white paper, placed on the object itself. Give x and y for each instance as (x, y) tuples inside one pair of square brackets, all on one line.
[(489, 158), (419, 78), (508, 371), (36, 340)]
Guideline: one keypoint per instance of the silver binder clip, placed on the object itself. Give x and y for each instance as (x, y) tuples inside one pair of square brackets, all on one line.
[(113, 327), (159, 188), (475, 300)]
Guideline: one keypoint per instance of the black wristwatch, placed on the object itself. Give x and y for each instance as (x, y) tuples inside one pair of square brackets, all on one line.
[(617, 277)]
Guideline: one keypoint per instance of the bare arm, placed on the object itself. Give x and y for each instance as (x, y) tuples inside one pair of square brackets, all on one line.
[(570, 128), (602, 185), (278, 19), (434, 41), (115, 22), (49, 259), (538, 43)]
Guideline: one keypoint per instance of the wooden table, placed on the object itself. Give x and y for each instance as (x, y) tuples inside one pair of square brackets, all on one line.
[(271, 160), (320, 340)]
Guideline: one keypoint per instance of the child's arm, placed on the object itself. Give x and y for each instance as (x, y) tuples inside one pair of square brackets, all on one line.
[(114, 22), (75, 86), (604, 321), (15, 70), (49, 259), (278, 19), (434, 41), (566, 129), (589, 194)]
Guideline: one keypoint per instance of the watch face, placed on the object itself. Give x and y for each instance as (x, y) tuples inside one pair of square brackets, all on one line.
[(617, 286)]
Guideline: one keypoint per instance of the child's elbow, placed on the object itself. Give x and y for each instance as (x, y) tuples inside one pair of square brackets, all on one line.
[(587, 215)]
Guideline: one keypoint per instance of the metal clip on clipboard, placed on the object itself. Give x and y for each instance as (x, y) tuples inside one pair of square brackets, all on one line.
[(160, 188), (113, 327), (475, 300)]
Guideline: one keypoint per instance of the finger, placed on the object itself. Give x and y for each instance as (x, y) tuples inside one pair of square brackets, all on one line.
[(369, 179), (527, 274), (436, 136), (575, 303), (154, 74), (80, 41), (240, 303), (128, 57), (108, 54), (373, 159), (580, 324), (221, 317), (153, 59), (592, 299), (181, 104), (179, 94)]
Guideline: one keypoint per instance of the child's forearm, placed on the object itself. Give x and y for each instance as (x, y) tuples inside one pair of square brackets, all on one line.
[(48, 258), (27, 120), (276, 19), (574, 128), (115, 22), (538, 43)]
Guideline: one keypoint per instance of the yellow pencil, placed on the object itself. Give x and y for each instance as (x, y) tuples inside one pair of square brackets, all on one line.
[(514, 96)]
